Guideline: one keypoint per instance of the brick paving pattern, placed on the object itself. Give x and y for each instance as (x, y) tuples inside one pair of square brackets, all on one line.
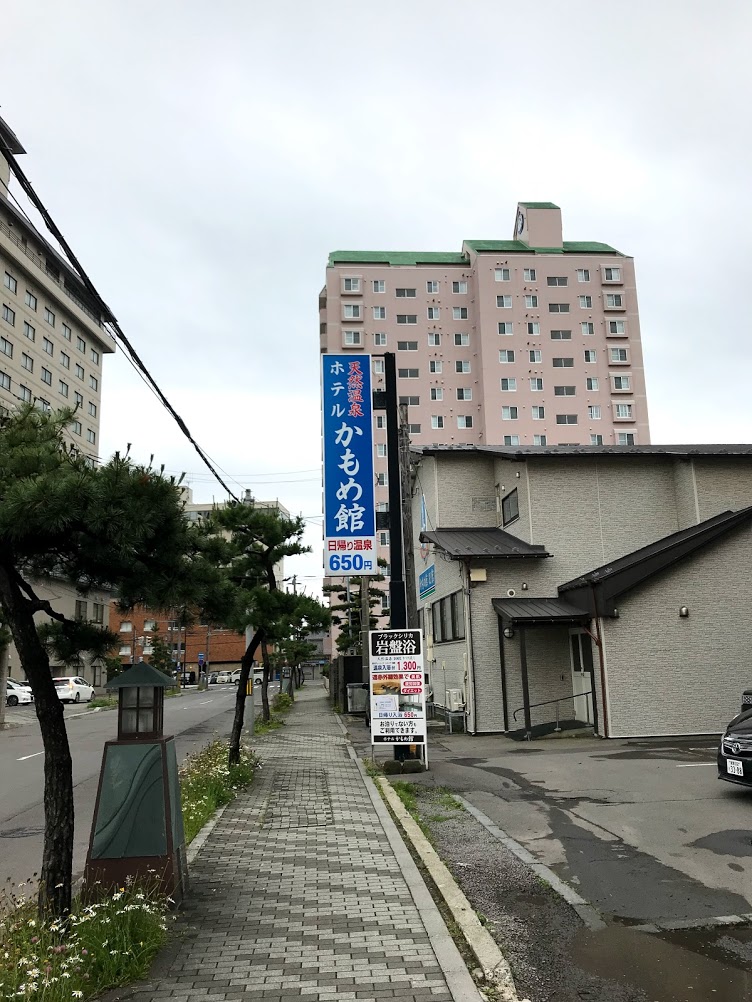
[(297, 893)]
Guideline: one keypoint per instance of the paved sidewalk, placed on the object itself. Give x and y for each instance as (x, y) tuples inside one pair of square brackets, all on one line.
[(305, 890)]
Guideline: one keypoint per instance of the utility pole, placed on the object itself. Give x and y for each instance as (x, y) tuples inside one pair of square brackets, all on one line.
[(411, 603), (397, 611)]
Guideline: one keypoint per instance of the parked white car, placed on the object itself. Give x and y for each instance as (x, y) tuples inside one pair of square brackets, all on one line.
[(224, 677), (16, 693), (73, 690)]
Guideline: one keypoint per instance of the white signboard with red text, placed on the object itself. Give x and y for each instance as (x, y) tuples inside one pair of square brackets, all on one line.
[(398, 691)]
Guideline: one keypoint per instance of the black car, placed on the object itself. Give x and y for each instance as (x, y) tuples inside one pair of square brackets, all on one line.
[(735, 751)]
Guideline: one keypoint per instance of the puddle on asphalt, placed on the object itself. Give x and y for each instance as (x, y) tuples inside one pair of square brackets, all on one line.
[(689, 966)]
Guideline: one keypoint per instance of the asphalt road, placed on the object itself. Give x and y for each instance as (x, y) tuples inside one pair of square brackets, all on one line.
[(193, 718)]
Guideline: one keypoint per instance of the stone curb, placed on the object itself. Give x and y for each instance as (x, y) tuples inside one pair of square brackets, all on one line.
[(198, 842), (490, 959)]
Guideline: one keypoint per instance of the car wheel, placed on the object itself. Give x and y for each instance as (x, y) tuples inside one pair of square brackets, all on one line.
[(12, 700), (78, 697)]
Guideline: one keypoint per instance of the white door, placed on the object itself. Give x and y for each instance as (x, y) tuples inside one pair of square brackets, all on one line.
[(581, 653)]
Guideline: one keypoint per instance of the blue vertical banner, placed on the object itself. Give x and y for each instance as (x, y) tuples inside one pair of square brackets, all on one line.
[(349, 480)]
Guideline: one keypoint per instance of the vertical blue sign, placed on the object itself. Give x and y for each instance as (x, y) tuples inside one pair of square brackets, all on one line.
[(349, 481)]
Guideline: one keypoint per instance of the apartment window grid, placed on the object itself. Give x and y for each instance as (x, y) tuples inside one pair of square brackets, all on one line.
[(10, 283), (504, 302), (411, 401), (506, 327), (5, 382), (27, 362), (461, 340), (590, 355), (462, 366), (533, 328), (435, 366), (536, 384), (379, 340), (587, 328), (501, 274), (407, 346), (67, 332), (379, 285), (506, 356), (511, 440), (432, 288), (46, 376), (9, 315), (434, 339), (379, 312), (626, 438), (407, 319), (437, 393), (24, 392), (6, 347), (31, 300), (30, 331), (459, 288), (49, 316), (529, 275), (464, 393), (509, 413), (437, 421), (464, 421), (405, 293), (539, 440), (459, 313), (508, 384), (583, 274), (560, 335), (47, 346), (538, 413), (433, 312)]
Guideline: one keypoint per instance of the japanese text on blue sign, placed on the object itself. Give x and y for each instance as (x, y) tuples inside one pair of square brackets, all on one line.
[(349, 503)]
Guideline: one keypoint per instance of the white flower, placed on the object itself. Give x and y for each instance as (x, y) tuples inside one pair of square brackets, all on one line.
[(77, 995)]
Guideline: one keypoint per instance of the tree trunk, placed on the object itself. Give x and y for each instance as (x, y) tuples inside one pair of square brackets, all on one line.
[(246, 663), (291, 684), (57, 856), (3, 679), (265, 712)]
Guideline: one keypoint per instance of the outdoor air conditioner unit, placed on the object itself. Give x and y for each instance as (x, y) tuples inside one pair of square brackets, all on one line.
[(454, 700)]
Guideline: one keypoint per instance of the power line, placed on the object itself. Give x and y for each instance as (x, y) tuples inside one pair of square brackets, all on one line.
[(104, 309)]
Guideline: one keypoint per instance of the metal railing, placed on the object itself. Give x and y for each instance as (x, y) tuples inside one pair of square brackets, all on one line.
[(548, 702)]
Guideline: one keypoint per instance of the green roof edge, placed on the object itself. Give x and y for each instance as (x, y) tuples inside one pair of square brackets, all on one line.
[(478, 246)]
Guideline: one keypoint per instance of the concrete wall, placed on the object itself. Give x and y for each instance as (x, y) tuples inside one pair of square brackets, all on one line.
[(668, 675), (722, 485)]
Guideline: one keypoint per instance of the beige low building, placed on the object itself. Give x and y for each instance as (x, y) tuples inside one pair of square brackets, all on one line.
[(598, 586)]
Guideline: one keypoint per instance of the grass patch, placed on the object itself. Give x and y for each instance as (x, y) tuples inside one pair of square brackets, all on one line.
[(260, 727), (104, 944), (103, 703), (281, 703), (407, 794), (207, 783)]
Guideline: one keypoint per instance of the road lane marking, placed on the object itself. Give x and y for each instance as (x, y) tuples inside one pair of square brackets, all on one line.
[(694, 765), (24, 757), (204, 702)]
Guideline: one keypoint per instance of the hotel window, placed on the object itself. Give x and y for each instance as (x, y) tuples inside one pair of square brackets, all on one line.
[(381, 450), (67, 333), (624, 410), (506, 356), (378, 285), (618, 354), (587, 329), (48, 346), (64, 360), (81, 344), (596, 439), (510, 508), (594, 412), (464, 393), (539, 413), (49, 316), (501, 274), (407, 346), (31, 300), (92, 408), (79, 399), (351, 284), (91, 436), (80, 371), (351, 311), (29, 331), (405, 293), (93, 382), (6, 347), (437, 421), (9, 315), (612, 274), (617, 327), (434, 339), (509, 413), (46, 376), (378, 366), (382, 480), (564, 391), (461, 340), (614, 300), (531, 302), (558, 307), (62, 388), (556, 281), (529, 274), (383, 539), (583, 274), (563, 363), (566, 419), (539, 440), (511, 440), (435, 366), (27, 362), (535, 355), (464, 421), (621, 382), (459, 287), (586, 302), (407, 318), (352, 338), (25, 393), (437, 393), (591, 383), (44, 404), (462, 367), (432, 287), (10, 282), (536, 384), (379, 340), (410, 401), (5, 385), (459, 313), (413, 429), (379, 312), (625, 438), (433, 312), (590, 355), (408, 373), (504, 302), (509, 384), (533, 328), (506, 327), (561, 335)]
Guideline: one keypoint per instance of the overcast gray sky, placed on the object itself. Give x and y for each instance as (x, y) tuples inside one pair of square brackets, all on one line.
[(204, 158)]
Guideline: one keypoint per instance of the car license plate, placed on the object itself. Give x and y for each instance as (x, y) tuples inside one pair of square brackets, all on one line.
[(734, 767)]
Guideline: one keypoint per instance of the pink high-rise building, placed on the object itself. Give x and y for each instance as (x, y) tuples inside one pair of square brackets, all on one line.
[(533, 341)]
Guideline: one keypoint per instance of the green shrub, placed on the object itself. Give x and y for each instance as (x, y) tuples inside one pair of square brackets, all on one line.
[(281, 703)]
